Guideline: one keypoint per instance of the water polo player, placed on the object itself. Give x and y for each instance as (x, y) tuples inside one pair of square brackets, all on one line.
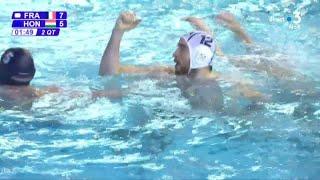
[(17, 69), (193, 63)]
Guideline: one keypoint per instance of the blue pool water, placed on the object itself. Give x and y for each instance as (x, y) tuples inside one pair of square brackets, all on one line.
[(152, 132)]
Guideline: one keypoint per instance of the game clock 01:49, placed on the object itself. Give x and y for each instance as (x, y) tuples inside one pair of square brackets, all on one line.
[(24, 32)]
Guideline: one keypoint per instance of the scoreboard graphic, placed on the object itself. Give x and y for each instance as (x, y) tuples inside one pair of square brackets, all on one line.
[(38, 23)]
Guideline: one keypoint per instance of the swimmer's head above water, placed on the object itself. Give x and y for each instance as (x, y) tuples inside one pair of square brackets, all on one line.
[(16, 67), (195, 51)]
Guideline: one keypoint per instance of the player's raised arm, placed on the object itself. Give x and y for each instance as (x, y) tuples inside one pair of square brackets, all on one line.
[(229, 21), (198, 24), (110, 62)]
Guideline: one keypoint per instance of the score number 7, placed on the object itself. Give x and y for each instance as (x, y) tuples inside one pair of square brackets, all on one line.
[(61, 14)]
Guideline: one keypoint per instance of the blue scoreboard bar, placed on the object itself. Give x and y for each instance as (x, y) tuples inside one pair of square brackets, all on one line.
[(36, 32), (38, 23), (39, 15)]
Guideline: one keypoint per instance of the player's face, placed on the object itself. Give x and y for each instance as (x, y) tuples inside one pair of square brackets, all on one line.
[(182, 58)]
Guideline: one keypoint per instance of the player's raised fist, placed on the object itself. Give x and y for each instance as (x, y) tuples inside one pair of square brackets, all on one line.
[(126, 21)]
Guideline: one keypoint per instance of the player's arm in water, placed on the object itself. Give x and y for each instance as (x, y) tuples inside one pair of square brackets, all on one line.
[(292, 80), (112, 94), (272, 68), (110, 62)]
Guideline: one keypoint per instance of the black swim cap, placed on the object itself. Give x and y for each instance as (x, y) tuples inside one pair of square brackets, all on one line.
[(16, 67)]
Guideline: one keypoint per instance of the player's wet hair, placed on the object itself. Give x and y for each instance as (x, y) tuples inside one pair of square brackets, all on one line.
[(16, 67)]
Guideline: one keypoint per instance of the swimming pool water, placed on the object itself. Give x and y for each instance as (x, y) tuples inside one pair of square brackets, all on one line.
[(152, 132)]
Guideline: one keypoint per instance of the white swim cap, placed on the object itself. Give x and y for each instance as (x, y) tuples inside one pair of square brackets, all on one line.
[(201, 47)]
